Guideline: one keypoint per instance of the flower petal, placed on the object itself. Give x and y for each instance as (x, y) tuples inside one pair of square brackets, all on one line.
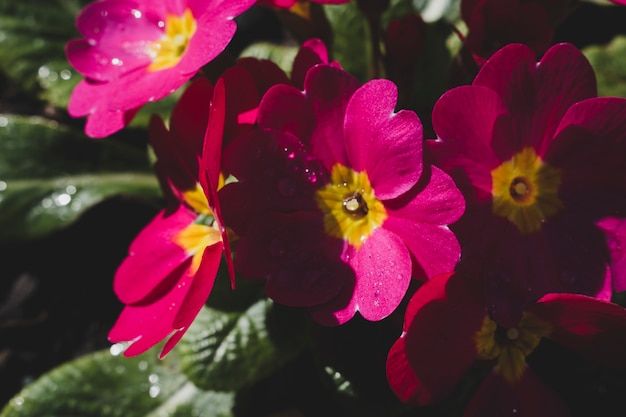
[(439, 347), (387, 145), (529, 397), (591, 327), (153, 257)]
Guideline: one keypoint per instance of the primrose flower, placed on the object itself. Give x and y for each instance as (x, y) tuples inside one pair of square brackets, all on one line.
[(171, 265), (334, 206), (447, 330), (540, 160), (136, 51)]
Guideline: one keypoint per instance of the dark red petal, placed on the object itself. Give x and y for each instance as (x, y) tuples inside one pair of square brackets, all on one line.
[(464, 120), (529, 397), (592, 327), (588, 148), (615, 230), (312, 52), (441, 321), (328, 91)]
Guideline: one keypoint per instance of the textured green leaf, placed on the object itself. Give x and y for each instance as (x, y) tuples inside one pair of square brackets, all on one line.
[(50, 175), (32, 42), (609, 63), (228, 351), (106, 384)]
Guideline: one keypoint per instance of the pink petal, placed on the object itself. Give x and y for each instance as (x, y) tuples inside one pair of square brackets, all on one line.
[(437, 347), (386, 145), (116, 39), (529, 397), (591, 327), (153, 257), (420, 219), (383, 272), (145, 325)]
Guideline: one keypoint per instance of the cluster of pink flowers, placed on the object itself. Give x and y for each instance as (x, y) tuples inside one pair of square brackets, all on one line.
[(509, 219)]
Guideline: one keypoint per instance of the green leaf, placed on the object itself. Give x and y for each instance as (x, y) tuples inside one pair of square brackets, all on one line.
[(32, 42), (106, 384), (351, 38), (229, 351), (609, 63), (282, 55), (50, 175)]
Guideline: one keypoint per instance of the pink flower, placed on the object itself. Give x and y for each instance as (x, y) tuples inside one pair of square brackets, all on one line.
[(540, 159), (171, 265), (447, 330), (333, 206), (287, 4), (136, 51)]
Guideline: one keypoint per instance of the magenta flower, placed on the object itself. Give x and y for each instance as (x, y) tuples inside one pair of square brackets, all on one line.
[(334, 207), (136, 51), (171, 265), (447, 331), (540, 159)]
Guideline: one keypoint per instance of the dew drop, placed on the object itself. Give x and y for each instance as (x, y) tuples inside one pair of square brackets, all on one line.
[(153, 378), (116, 349), (62, 199), (310, 176), (117, 62), (4, 122), (18, 401), (154, 391), (136, 13), (3, 185), (66, 74), (143, 365)]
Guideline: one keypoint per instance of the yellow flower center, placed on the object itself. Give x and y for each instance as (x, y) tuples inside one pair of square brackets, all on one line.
[(351, 210), (167, 51), (525, 190), (203, 232), (510, 346)]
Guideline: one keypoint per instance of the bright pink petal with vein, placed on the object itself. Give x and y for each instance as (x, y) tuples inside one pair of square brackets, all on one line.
[(591, 327), (386, 145), (437, 347), (152, 257), (329, 89), (420, 219), (529, 397)]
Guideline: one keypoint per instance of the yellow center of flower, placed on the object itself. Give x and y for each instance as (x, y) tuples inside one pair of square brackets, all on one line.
[(525, 190), (510, 346), (200, 234), (167, 51), (351, 210)]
